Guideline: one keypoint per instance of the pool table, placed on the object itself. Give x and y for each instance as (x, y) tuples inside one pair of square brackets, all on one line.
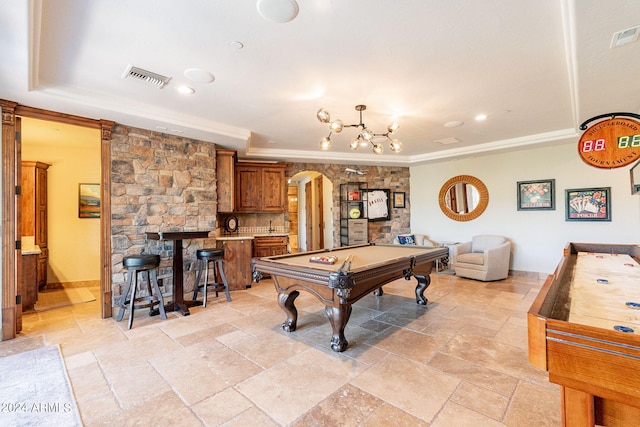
[(372, 265)]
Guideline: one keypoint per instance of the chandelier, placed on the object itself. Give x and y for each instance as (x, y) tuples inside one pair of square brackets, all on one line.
[(364, 138)]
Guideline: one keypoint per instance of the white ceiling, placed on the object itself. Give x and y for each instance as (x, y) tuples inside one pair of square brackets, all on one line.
[(537, 69)]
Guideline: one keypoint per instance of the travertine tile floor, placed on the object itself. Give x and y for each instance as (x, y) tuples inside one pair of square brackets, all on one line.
[(459, 361)]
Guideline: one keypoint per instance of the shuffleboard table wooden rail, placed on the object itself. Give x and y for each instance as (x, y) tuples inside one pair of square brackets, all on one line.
[(585, 331)]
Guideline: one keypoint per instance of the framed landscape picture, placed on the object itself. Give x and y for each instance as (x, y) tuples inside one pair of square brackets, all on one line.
[(537, 195), (89, 201), (398, 199), (588, 204)]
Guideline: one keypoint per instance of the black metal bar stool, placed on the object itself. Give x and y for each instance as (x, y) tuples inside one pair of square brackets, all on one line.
[(147, 265), (205, 256)]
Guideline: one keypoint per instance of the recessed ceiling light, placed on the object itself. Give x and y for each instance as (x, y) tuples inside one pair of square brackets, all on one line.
[(236, 45), (453, 124), (198, 75), (481, 117), (185, 90), (277, 10)]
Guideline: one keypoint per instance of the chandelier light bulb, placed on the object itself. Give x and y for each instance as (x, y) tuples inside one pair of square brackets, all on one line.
[(393, 127), (377, 149), (396, 146), (355, 143), (336, 126), (325, 143), (367, 134), (323, 116)]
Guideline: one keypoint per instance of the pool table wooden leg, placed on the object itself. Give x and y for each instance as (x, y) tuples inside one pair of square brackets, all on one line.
[(423, 283), (286, 303), (338, 317)]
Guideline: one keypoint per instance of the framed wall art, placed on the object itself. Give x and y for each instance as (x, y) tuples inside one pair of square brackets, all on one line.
[(378, 205), (89, 201), (588, 204), (537, 195), (398, 199)]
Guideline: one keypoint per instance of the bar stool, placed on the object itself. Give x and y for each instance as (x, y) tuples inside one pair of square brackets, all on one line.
[(205, 256), (147, 265)]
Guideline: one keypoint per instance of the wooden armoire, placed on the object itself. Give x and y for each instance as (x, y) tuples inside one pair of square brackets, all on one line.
[(34, 211)]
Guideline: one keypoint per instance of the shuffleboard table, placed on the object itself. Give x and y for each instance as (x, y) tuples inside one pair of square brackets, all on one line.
[(584, 329), (371, 266)]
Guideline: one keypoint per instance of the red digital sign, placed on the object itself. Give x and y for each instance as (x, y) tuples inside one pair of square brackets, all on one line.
[(611, 143)]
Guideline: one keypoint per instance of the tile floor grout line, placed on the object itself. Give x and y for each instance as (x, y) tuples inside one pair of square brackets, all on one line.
[(248, 313)]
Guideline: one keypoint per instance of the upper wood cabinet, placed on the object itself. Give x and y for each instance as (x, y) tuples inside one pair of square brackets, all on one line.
[(225, 176), (273, 189), (34, 201), (249, 187), (260, 187)]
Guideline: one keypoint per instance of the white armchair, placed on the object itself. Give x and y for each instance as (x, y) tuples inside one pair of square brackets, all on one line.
[(419, 239), (485, 258)]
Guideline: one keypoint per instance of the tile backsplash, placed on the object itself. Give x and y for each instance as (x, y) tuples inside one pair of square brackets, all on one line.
[(251, 231)]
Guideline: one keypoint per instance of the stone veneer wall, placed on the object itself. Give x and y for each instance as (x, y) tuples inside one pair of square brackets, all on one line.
[(377, 177), (159, 182), (162, 182)]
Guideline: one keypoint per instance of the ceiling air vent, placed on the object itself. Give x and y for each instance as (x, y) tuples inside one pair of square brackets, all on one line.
[(146, 76), (625, 36)]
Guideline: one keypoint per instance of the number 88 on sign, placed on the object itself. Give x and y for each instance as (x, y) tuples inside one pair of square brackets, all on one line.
[(611, 143)]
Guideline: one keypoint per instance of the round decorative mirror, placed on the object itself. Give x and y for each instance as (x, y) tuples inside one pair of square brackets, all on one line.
[(463, 198)]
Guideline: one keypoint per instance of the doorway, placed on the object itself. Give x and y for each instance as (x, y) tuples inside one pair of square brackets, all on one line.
[(11, 260), (72, 156), (312, 218)]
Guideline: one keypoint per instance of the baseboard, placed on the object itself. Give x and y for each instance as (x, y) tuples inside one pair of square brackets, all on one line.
[(530, 274), (78, 284)]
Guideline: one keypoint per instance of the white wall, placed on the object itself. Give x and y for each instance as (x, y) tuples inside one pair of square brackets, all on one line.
[(538, 237)]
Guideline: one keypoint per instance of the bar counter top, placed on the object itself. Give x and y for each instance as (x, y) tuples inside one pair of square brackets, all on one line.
[(31, 250), (243, 236)]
